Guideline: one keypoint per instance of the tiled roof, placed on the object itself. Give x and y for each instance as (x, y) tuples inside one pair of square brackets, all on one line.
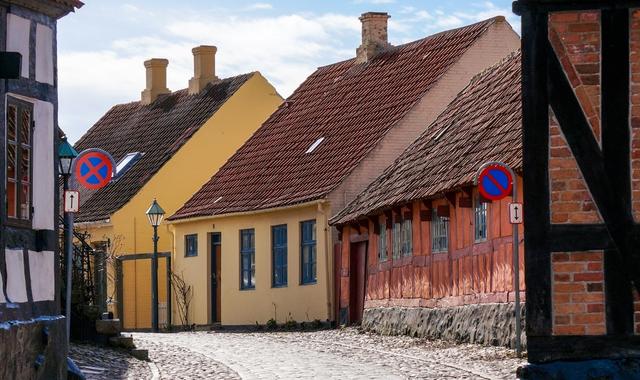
[(352, 106), (158, 130), (483, 123)]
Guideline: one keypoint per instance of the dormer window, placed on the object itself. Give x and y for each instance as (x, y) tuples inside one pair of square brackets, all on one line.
[(126, 163), (315, 145)]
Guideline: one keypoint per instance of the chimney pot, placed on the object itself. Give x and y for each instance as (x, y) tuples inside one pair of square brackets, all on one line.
[(156, 80), (204, 68), (374, 35)]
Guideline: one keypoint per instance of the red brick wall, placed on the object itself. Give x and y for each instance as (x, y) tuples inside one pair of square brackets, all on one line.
[(470, 272), (575, 38), (578, 293), (578, 277)]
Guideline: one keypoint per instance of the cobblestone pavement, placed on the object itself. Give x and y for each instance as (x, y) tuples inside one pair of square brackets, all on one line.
[(100, 363), (331, 354)]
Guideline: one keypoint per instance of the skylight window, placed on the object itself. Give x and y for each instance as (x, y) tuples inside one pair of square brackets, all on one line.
[(315, 145), (126, 163)]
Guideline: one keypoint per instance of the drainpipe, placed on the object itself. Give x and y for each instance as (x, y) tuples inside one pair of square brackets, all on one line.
[(328, 258)]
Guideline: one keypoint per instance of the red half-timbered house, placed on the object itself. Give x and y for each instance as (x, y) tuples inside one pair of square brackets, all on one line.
[(421, 252)]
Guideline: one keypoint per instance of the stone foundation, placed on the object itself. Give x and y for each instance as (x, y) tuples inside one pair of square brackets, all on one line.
[(488, 324), (34, 349)]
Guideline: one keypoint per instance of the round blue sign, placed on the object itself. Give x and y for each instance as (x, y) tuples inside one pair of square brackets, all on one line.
[(495, 182)]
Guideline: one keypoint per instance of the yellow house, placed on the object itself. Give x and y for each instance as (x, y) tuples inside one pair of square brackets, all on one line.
[(254, 241), (166, 146)]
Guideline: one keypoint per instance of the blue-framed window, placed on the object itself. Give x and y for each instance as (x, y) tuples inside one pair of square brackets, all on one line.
[(247, 259), (308, 252), (382, 242), (191, 245), (279, 256), (407, 237), (439, 232), (480, 220)]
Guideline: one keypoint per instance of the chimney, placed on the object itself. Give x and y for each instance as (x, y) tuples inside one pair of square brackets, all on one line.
[(374, 35), (204, 68), (156, 80)]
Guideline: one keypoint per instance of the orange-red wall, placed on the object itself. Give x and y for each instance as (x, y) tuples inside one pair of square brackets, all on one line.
[(470, 272)]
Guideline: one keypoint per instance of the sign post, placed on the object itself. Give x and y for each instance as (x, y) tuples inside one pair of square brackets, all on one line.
[(495, 180)]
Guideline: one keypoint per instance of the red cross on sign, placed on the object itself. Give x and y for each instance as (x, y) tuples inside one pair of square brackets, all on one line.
[(93, 168)]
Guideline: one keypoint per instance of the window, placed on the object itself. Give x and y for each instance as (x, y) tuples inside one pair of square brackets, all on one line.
[(191, 245), (315, 145), (308, 251), (19, 157), (480, 218), (126, 163), (247, 259), (279, 256), (382, 242), (397, 239), (439, 233), (407, 243)]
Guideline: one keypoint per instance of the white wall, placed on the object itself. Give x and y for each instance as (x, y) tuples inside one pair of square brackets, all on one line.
[(16, 284), (44, 54), (41, 268), (18, 39)]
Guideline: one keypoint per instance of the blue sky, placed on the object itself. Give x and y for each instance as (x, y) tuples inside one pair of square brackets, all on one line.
[(102, 47)]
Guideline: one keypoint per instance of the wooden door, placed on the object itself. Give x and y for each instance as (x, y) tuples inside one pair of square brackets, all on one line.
[(357, 270), (216, 258)]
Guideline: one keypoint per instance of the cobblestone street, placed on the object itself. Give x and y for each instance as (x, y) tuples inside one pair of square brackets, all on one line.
[(334, 354)]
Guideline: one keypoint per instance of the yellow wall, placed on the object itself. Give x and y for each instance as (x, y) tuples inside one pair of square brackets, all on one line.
[(176, 182), (246, 307)]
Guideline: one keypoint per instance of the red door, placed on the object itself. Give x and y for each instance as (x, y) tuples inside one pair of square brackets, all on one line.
[(357, 266)]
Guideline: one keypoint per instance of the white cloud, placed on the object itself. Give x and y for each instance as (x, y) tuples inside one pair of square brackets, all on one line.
[(259, 6), (285, 49)]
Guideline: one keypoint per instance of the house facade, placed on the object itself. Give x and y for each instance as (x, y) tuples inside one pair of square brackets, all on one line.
[(29, 257), (255, 239), (420, 245), (165, 147)]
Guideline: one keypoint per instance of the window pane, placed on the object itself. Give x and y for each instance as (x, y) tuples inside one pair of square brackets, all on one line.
[(25, 205), (307, 251), (382, 242), (11, 199), (279, 252), (25, 164), (247, 258), (11, 123), (11, 161), (25, 128)]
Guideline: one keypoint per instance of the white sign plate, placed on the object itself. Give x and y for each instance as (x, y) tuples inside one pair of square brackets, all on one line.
[(71, 201), (515, 213)]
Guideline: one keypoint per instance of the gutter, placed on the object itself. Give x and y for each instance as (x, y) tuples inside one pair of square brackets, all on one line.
[(96, 223), (243, 213)]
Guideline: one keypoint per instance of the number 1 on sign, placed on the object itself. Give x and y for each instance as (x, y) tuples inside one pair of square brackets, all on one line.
[(515, 213)]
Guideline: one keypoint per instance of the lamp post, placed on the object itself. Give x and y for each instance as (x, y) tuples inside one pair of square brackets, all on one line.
[(155, 213), (66, 155)]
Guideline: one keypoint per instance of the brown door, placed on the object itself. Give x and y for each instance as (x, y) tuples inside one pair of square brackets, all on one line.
[(357, 265), (216, 257)]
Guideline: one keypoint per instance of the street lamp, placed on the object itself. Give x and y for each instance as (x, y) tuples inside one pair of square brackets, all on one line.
[(155, 213), (66, 155)]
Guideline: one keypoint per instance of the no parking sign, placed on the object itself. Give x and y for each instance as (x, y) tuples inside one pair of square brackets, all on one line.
[(495, 181), (93, 168)]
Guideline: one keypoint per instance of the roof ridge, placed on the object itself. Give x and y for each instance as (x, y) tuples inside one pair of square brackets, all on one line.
[(391, 48)]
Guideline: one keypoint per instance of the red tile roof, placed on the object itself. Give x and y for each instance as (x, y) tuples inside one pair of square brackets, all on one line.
[(351, 105), (483, 123), (158, 130)]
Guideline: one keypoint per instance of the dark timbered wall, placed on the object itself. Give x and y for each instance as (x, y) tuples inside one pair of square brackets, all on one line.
[(581, 243)]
